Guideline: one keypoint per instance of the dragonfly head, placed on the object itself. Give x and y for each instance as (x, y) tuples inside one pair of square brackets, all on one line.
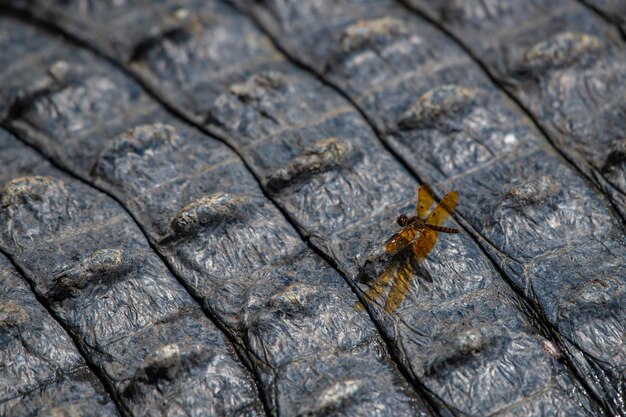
[(402, 220)]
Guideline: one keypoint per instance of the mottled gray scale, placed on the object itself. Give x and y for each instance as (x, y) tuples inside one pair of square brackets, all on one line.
[(451, 130), (119, 322), (257, 105), (23, 51), (464, 134), (275, 320), (104, 264), (435, 108), (437, 114), (41, 372), (214, 213), (368, 49), (66, 95), (487, 341), (580, 291), (336, 167), (379, 56), (317, 158), (201, 41), (613, 10), (558, 240), (324, 156), (120, 22), (568, 71), (532, 207), (17, 159), (122, 158), (304, 18), (283, 108), (566, 66), (289, 312), (472, 13), (379, 49), (84, 255), (29, 41)]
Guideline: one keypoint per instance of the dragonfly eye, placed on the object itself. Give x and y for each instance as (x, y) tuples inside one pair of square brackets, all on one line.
[(402, 220)]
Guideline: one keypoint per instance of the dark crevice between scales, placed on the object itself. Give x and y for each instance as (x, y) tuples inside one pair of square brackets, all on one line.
[(564, 160), (433, 401), (429, 397), (538, 316), (119, 405), (569, 162), (237, 347), (602, 14)]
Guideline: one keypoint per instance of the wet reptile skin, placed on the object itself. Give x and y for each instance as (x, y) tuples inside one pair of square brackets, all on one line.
[(196, 194)]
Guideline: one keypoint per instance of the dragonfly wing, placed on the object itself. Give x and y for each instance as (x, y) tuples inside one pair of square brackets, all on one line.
[(400, 288), (378, 286), (424, 244), (405, 273), (400, 240), (425, 200), (444, 209)]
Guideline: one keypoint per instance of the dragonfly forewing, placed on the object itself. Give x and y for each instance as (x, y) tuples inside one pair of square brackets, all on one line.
[(444, 209), (425, 200)]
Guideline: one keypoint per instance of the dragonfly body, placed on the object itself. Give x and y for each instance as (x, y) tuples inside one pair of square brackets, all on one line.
[(414, 227), (419, 223), (418, 232)]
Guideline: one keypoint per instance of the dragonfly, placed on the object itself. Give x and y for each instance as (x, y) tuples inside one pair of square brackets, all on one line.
[(411, 245)]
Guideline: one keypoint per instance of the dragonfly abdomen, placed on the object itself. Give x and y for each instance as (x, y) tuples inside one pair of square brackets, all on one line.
[(441, 229)]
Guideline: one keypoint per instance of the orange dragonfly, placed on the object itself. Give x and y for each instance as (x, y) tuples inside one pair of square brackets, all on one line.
[(420, 234)]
